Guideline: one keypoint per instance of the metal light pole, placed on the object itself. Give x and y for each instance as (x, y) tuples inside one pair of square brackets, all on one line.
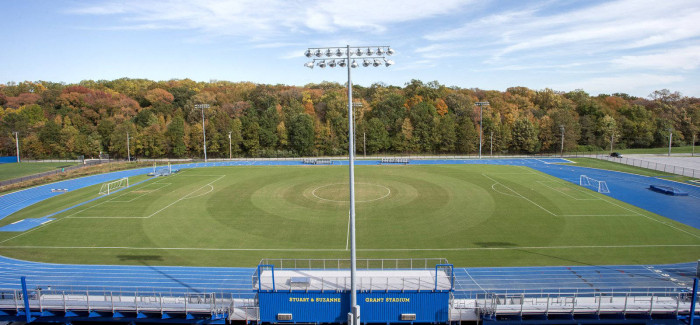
[(229, 145), (612, 140), (492, 143), (128, 150), (693, 154), (561, 128), (481, 124), (369, 59), (17, 144), (670, 140), (204, 132)]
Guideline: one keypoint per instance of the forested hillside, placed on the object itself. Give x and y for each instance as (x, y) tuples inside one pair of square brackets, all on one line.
[(56, 120)]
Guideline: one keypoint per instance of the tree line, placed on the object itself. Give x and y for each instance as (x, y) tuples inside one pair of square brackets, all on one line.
[(57, 120)]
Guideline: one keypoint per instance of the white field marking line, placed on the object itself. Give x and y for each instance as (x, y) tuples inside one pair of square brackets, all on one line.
[(597, 215), (28, 231), (184, 197), (520, 195), (340, 249), (146, 191), (592, 198), (187, 196), (111, 200), (477, 283), (609, 200), (653, 219), (211, 188), (339, 201), (497, 191)]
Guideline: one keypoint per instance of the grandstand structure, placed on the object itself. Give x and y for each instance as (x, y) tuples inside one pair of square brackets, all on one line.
[(315, 291)]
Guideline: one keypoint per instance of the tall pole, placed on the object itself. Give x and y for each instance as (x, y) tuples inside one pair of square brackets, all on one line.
[(17, 144), (670, 140), (364, 144), (353, 253), (128, 151), (204, 132), (693, 154), (492, 143), (561, 128), (612, 139), (229, 145), (481, 124)]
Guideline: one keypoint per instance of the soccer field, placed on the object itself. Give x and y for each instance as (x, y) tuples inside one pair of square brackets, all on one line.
[(473, 215)]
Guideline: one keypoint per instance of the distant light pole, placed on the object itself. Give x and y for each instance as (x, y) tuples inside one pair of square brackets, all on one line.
[(481, 124), (229, 145), (374, 56), (561, 128), (670, 140), (204, 132), (693, 154), (612, 140), (492, 143), (128, 150), (17, 144)]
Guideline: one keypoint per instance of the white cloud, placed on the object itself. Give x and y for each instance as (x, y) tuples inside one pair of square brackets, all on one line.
[(264, 18), (686, 58)]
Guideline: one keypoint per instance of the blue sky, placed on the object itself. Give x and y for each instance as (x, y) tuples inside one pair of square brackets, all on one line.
[(631, 46)]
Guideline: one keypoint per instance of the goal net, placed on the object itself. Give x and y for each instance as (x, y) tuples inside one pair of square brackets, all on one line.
[(161, 170), (110, 187), (600, 186)]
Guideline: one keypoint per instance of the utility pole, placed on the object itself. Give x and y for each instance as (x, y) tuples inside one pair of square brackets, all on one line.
[(229, 145), (561, 128), (481, 124), (670, 140), (128, 151), (17, 144), (204, 132), (492, 143)]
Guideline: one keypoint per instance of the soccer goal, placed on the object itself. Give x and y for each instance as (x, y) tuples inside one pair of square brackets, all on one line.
[(113, 186), (161, 170), (600, 186)]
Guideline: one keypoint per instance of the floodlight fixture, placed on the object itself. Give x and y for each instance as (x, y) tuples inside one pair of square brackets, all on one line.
[(388, 62), (358, 52), (318, 53), (339, 53), (370, 52), (380, 51), (309, 65), (329, 53), (390, 51), (308, 53), (342, 63), (321, 64), (376, 63), (366, 63), (354, 64), (331, 63)]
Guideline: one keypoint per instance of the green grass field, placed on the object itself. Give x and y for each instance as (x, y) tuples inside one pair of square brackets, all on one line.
[(10, 171), (473, 215)]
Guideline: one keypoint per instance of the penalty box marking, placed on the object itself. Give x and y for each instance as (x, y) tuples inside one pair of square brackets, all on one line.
[(186, 196), (517, 194)]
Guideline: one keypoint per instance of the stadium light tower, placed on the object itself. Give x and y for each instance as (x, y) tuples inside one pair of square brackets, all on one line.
[(481, 124), (128, 150), (229, 145), (204, 132), (371, 56)]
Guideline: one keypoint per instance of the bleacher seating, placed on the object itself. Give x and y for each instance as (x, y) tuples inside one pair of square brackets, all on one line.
[(404, 161)]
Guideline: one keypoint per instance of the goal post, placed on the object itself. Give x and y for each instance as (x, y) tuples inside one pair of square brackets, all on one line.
[(600, 186), (110, 187)]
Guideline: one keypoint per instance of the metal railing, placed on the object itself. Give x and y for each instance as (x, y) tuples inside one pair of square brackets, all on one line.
[(667, 168), (362, 263)]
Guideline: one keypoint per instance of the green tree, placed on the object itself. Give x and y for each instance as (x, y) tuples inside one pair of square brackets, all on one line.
[(301, 134)]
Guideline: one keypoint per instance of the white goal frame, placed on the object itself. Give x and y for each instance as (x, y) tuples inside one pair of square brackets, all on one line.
[(600, 186), (110, 187)]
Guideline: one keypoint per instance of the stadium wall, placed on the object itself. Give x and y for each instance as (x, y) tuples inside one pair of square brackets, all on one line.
[(8, 159)]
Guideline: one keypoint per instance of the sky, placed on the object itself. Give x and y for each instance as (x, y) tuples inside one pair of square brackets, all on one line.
[(626, 46)]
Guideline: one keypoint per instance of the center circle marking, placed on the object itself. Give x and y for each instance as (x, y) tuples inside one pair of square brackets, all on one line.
[(388, 192)]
